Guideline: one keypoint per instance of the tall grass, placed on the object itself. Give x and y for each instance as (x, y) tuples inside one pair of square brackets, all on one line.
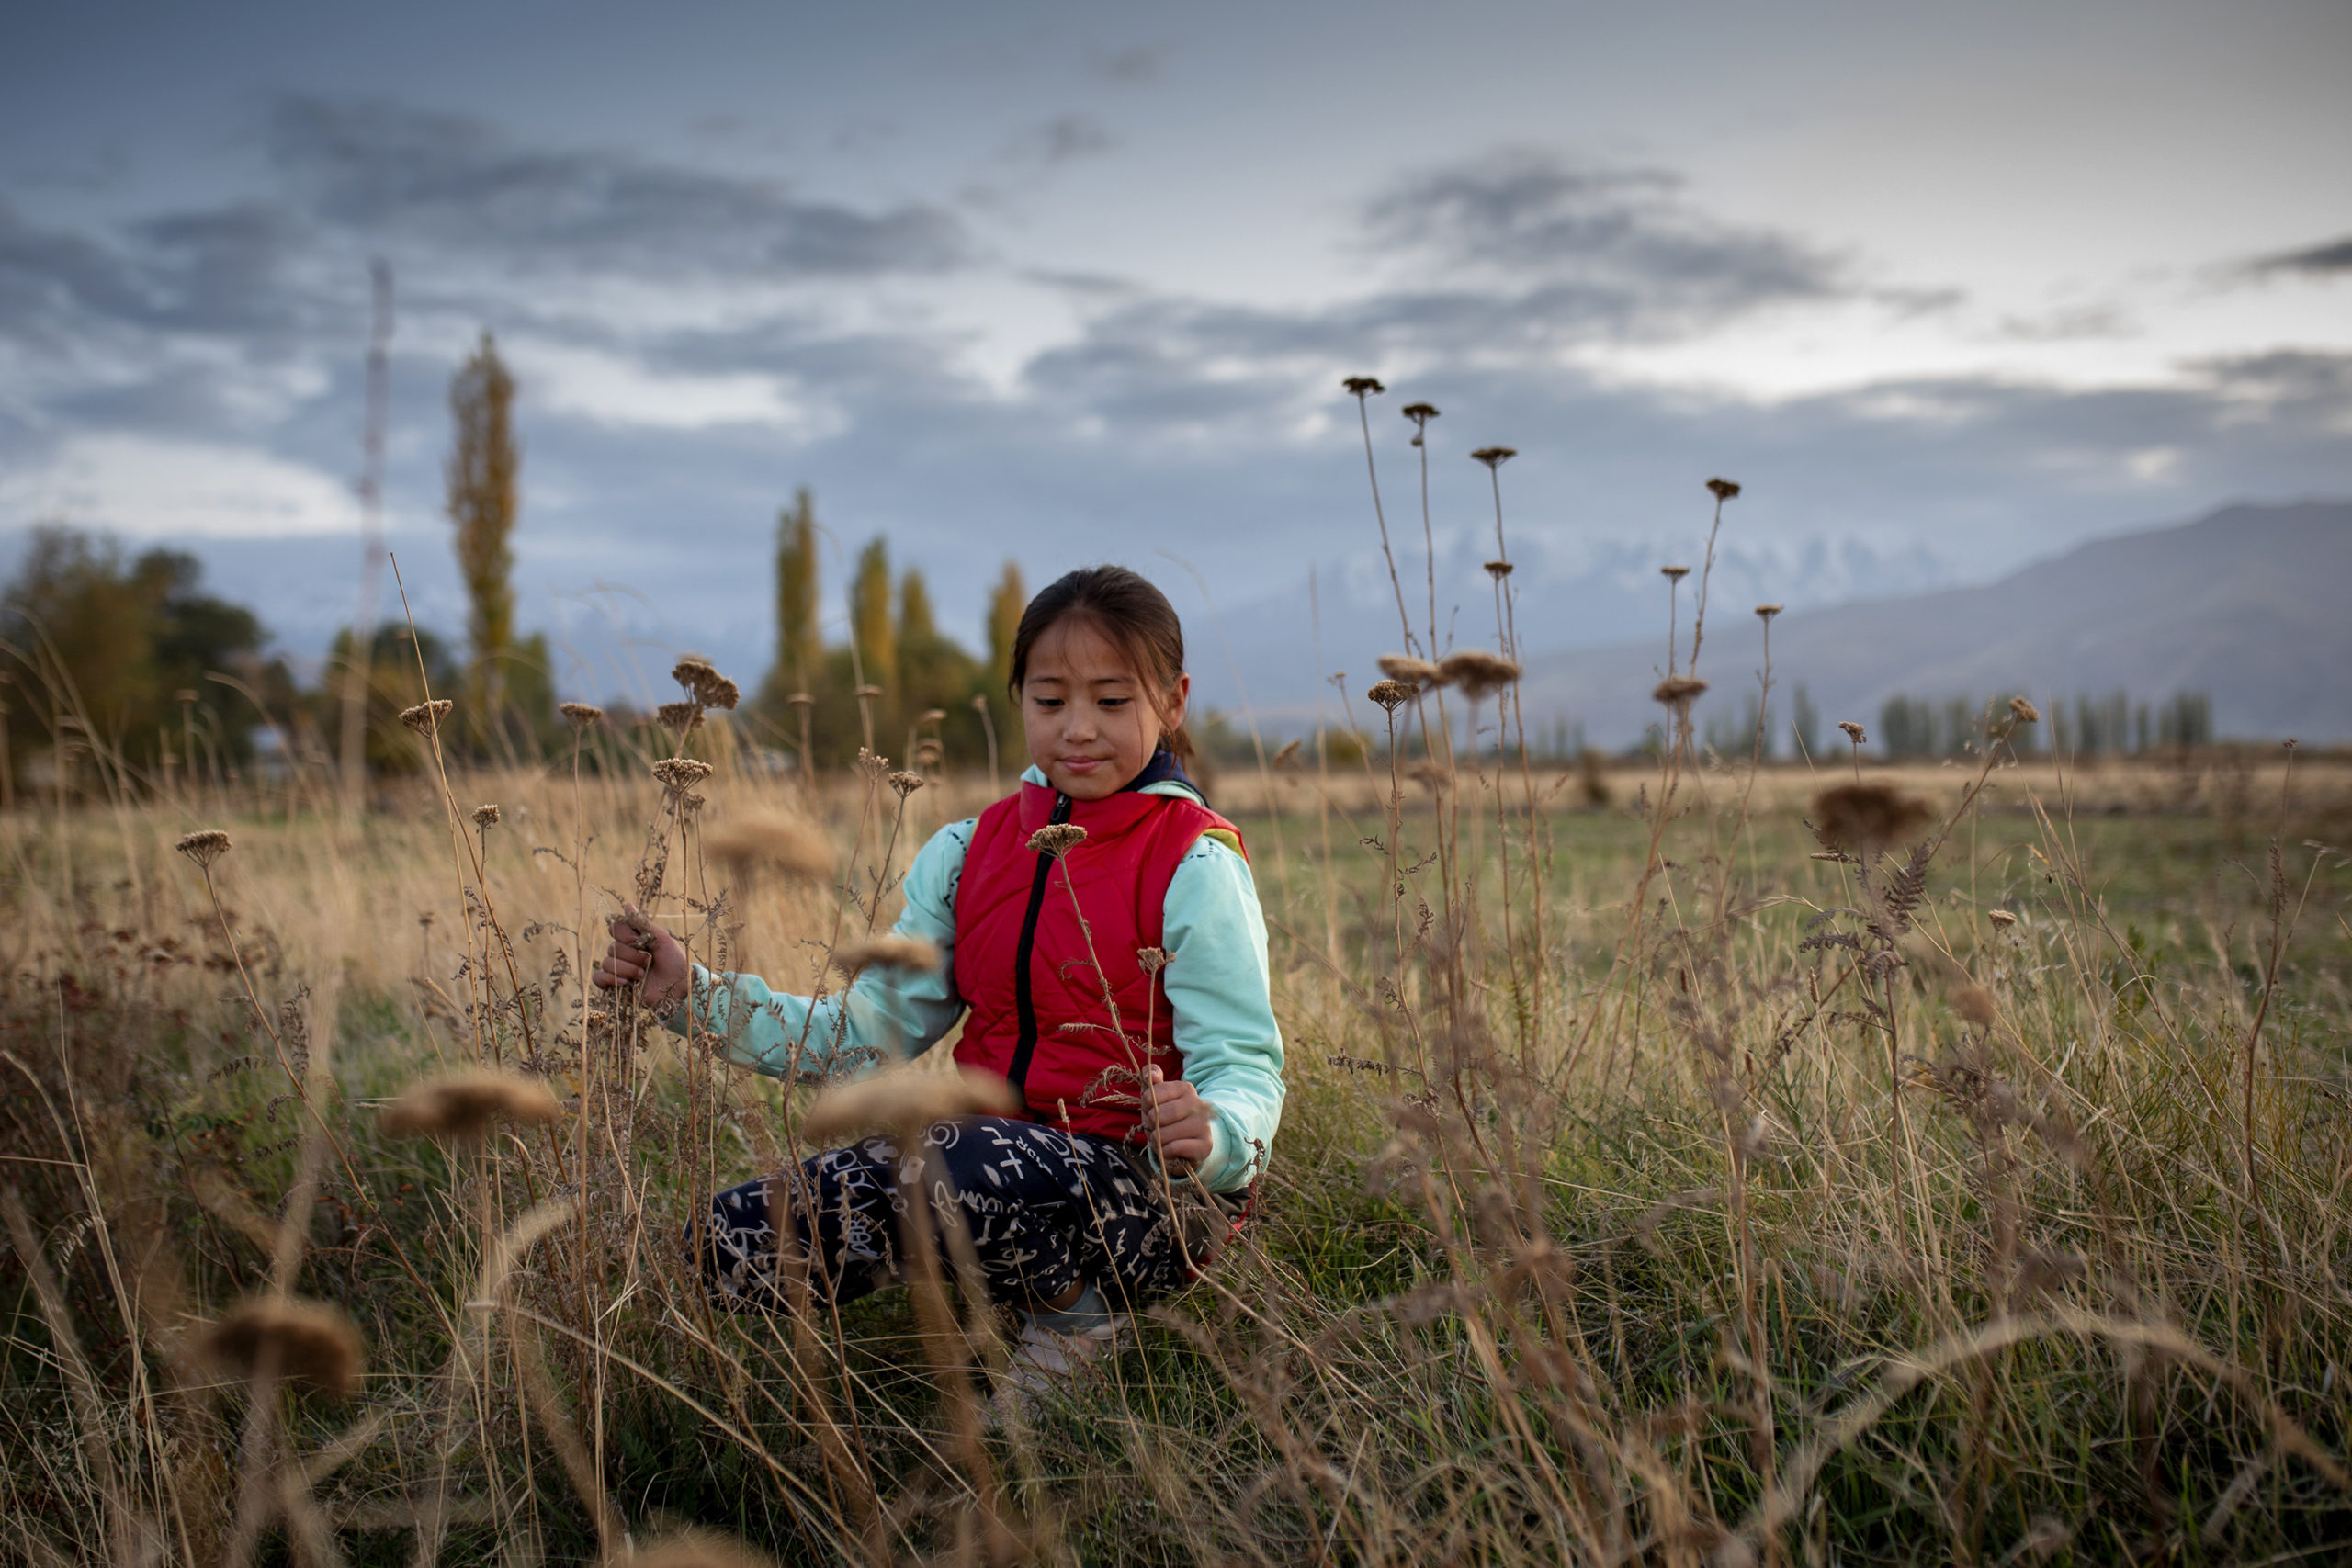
[(1661, 1183)]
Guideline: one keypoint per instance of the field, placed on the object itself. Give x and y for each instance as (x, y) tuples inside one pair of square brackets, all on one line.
[(1657, 1185)]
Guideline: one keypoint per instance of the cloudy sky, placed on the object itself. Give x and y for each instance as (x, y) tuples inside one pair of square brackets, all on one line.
[(1946, 288)]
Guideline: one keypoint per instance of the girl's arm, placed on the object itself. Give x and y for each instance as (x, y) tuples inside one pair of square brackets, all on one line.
[(886, 1015), (1219, 985)]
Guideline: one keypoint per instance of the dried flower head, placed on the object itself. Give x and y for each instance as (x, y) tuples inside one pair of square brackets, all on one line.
[(1435, 777), (1057, 839), (1493, 457), (1152, 958), (464, 1104), (1499, 569), (186, 695), (1419, 674), (1766, 611), (425, 718), (869, 690), (204, 846), (1975, 1004), (1854, 732), (1674, 573), (800, 700), (907, 1099), (2024, 712), (933, 716), (1863, 818), (1678, 691), (1419, 413), (1364, 386), (680, 719), (887, 951), (769, 842), (298, 1341), (692, 801), (1476, 672), (581, 714), (1723, 489), (979, 702), (905, 783), (1288, 756), (679, 774), (2002, 918), (929, 753), (486, 815), (1391, 695)]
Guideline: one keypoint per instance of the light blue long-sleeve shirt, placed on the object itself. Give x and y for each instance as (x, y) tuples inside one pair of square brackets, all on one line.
[(1217, 980)]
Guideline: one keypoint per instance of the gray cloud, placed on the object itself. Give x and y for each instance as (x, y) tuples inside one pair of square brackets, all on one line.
[(452, 180), (1613, 246), (2329, 260), (1062, 140)]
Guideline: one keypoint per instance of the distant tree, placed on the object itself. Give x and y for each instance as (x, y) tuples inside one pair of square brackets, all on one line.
[(869, 616), (98, 651), (483, 469), (799, 636), (395, 680), (1006, 601), (1806, 722)]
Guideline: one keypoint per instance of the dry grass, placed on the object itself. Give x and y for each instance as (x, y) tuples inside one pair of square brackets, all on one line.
[(1656, 1188)]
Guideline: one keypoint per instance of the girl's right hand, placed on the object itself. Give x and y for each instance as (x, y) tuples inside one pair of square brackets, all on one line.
[(644, 955)]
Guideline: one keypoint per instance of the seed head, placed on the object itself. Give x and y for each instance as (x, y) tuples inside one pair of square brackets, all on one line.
[(800, 700), (869, 690), (581, 714), (1766, 611), (752, 846), (1975, 1004), (979, 702), (2024, 712), (1493, 457), (1674, 573), (1419, 413), (1723, 489), (464, 1104), (1152, 958), (679, 774), (905, 783), (887, 951), (1854, 732), (486, 815), (929, 753), (425, 718), (1364, 386), (204, 846), (1478, 672), (905, 1100), (1680, 692), (2004, 919), (680, 719), (1499, 569), (186, 695), (1418, 674), (1288, 756), (1862, 818), (1057, 839), (299, 1341), (933, 716)]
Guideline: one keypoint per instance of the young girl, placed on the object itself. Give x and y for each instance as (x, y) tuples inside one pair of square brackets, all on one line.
[(1071, 1217)]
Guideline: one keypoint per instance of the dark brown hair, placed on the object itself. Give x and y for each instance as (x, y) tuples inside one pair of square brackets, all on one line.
[(1125, 608)]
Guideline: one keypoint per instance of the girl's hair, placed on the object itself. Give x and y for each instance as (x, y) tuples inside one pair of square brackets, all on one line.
[(1125, 608)]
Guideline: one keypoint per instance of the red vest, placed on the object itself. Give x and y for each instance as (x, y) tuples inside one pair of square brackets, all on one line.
[(1022, 961)]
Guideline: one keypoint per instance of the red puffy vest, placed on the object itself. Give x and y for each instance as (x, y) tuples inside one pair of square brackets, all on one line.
[(1023, 961)]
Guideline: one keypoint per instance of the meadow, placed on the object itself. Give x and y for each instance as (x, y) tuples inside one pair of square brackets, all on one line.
[(1685, 1163)]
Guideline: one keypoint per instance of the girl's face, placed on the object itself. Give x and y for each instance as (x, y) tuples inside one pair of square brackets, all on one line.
[(1090, 721)]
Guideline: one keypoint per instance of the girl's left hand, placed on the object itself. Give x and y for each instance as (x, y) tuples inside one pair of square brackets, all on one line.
[(1178, 1118)]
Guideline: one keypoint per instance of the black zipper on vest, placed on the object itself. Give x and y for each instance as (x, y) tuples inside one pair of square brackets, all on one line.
[(1024, 1003)]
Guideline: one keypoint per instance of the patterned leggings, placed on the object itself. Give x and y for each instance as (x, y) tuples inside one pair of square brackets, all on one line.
[(1047, 1211)]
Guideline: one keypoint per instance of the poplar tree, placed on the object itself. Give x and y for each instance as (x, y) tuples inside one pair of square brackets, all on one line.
[(799, 640), (869, 614), (1006, 601), (483, 503)]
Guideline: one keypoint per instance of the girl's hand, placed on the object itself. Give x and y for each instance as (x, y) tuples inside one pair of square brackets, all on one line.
[(1178, 1117), (644, 954)]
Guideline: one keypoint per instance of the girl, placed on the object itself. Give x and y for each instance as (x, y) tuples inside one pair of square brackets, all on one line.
[(1073, 1220)]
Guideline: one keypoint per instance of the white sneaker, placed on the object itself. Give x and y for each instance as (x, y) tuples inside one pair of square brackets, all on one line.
[(1044, 1361)]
